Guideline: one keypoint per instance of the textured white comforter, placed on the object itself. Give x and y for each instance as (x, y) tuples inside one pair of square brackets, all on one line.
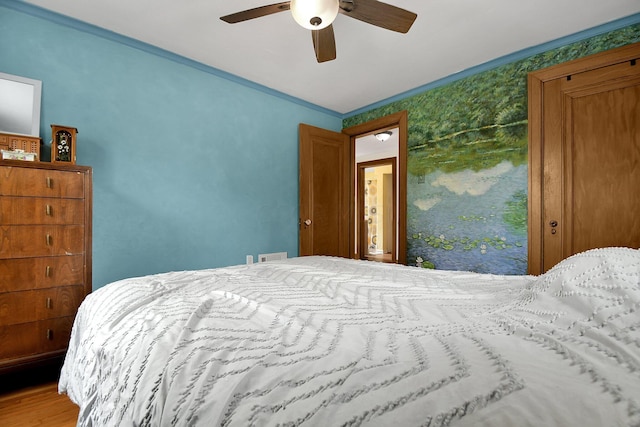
[(328, 342)]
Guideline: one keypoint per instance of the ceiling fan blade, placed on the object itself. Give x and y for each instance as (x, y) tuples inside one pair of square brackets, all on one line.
[(380, 14), (257, 12), (324, 43)]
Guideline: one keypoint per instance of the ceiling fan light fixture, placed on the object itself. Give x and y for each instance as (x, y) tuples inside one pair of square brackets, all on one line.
[(314, 14)]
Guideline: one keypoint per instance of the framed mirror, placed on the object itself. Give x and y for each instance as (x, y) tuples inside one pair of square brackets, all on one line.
[(20, 105)]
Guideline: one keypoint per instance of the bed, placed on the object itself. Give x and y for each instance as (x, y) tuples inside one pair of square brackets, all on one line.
[(325, 341)]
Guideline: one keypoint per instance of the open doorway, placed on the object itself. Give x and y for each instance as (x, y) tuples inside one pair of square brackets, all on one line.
[(376, 191), (366, 147), (328, 222)]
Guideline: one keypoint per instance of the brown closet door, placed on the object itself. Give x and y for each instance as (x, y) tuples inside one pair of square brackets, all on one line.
[(589, 156)]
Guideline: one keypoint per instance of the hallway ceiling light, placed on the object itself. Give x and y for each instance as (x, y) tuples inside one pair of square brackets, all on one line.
[(383, 136)]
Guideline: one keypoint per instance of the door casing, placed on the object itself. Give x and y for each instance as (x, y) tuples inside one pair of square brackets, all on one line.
[(397, 120)]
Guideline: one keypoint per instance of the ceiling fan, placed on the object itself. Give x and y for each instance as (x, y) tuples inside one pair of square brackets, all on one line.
[(318, 16)]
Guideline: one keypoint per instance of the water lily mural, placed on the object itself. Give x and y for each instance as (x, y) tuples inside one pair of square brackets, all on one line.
[(467, 183), (467, 163), (488, 231)]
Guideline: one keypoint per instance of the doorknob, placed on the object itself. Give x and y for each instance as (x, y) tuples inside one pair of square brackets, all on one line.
[(307, 222)]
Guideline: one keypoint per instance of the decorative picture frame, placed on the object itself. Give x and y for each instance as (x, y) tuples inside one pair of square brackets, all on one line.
[(63, 144)]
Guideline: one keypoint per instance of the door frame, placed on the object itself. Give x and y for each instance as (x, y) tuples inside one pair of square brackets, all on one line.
[(397, 120), (361, 226)]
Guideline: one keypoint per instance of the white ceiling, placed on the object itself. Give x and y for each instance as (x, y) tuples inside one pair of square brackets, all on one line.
[(372, 64), (368, 147)]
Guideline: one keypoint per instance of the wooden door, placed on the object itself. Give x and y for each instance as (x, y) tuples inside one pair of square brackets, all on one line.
[(324, 192), (584, 157)]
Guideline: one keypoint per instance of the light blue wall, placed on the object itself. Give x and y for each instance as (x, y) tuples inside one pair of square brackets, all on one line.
[(191, 169)]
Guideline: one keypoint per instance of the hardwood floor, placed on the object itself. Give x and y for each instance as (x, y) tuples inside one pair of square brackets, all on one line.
[(37, 405), (379, 258), (30, 398)]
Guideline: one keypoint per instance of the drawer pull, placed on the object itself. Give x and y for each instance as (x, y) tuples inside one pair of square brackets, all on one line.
[(49, 239), (48, 210), (49, 334), (49, 182), (49, 303), (47, 271)]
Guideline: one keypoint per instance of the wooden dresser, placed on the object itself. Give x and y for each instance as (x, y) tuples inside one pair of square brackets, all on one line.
[(45, 258)]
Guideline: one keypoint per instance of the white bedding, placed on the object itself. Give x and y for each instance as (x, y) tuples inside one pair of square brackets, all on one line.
[(328, 342)]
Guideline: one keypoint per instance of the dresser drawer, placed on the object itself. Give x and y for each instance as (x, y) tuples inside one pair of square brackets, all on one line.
[(41, 304), (16, 181), (20, 241), (26, 339), (32, 210), (21, 274)]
